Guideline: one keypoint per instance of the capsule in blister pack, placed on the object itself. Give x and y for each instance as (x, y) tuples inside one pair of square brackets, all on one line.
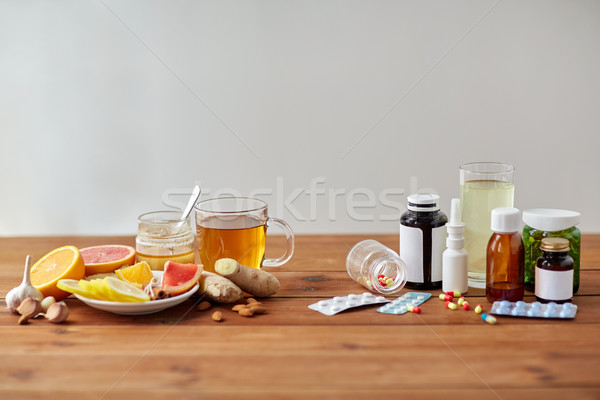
[(342, 303), (534, 310), (402, 303)]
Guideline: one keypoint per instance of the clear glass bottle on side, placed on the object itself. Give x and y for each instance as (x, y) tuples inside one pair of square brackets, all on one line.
[(376, 267), (505, 257), (554, 271)]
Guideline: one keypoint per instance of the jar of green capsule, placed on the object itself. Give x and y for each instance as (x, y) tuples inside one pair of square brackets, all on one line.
[(547, 222)]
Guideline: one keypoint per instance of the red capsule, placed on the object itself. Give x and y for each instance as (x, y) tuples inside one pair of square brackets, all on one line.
[(416, 310), (465, 306), (448, 297)]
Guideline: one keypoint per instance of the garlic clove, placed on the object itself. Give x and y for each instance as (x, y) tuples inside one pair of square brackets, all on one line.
[(47, 302), (28, 309), (57, 312)]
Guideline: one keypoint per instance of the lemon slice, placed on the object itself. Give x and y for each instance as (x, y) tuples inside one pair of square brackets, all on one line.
[(73, 286), (97, 289), (124, 292)]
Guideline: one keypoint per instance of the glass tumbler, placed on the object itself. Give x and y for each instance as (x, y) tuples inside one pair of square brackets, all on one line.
[(483, 187)]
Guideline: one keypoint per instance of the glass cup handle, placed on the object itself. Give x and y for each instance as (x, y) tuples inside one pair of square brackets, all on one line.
[(289, 236)]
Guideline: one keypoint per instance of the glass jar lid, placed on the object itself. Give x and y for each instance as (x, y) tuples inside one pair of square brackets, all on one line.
[(551, 220)]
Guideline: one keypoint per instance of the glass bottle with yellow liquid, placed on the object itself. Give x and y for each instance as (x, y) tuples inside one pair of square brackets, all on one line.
[(162, 237), (483, 187)]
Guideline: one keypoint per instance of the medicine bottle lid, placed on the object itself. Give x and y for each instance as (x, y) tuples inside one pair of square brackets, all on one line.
[(423, 202), (556, 244), (506, 220), (551, 220)]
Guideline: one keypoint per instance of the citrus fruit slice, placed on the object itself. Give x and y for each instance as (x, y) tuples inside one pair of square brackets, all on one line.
[(73, 286), (179, 278), (97, 289), (123, 291), (137, 274), (62, 263), (106, 258)]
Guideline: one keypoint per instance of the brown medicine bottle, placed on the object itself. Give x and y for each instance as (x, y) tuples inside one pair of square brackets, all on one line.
[(505, 256), (554, 271)]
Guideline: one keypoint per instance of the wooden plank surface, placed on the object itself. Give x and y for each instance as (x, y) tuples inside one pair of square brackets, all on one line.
[(294, 352)]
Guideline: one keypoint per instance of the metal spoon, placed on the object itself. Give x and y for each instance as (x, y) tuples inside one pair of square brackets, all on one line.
[(190, 204)]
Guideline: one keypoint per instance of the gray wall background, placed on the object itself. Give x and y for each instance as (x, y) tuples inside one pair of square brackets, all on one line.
[(112, 108)]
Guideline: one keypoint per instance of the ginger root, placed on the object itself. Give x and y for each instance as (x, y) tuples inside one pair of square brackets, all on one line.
[(255, 281), (219, 289)]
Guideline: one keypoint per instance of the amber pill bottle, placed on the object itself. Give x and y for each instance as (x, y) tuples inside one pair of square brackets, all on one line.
[(505, 257), (554, 271)]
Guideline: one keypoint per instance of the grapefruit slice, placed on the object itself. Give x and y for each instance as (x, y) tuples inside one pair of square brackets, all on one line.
[(106, 258), (179, 278), (62, 263)]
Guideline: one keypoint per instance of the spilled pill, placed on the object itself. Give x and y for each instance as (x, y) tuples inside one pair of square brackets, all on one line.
[(478, 309), (490, 319), (454, 293), (451, 305)]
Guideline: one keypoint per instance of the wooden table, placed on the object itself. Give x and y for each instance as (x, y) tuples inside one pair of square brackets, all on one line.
[(294, 352)]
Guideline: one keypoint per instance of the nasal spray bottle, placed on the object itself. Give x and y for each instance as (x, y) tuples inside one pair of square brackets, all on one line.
[(454, 258)]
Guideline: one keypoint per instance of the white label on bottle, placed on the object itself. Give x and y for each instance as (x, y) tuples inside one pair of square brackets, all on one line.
[(438, 245), (411, 252), (553, 285)]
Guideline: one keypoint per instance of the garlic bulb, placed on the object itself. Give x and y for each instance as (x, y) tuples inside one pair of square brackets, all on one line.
[(23, 291)]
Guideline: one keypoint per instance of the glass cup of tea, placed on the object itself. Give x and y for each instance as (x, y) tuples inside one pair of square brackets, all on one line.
[(236, 227), (483, 187)]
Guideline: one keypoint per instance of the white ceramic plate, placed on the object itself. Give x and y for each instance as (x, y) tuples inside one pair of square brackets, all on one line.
[(147, 307)]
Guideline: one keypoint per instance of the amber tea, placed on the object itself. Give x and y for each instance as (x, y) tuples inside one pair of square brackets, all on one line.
[(236, 227), (242, 238)]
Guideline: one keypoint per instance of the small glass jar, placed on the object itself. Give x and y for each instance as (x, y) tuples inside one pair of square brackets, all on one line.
[(162, 237), (554, 272), (546, 222), (376, 267)]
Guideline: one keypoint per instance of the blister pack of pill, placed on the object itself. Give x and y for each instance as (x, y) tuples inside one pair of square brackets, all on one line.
[(402, 303), (342, 303), (534, 310)]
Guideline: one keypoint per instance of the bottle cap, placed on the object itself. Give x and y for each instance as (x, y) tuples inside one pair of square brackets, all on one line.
[(555, 244), (551, 220), (423, 202), (506, 220)]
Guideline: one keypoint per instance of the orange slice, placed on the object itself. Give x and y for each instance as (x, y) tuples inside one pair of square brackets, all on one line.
[(106, 258), (62, 263), (136, 275)]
